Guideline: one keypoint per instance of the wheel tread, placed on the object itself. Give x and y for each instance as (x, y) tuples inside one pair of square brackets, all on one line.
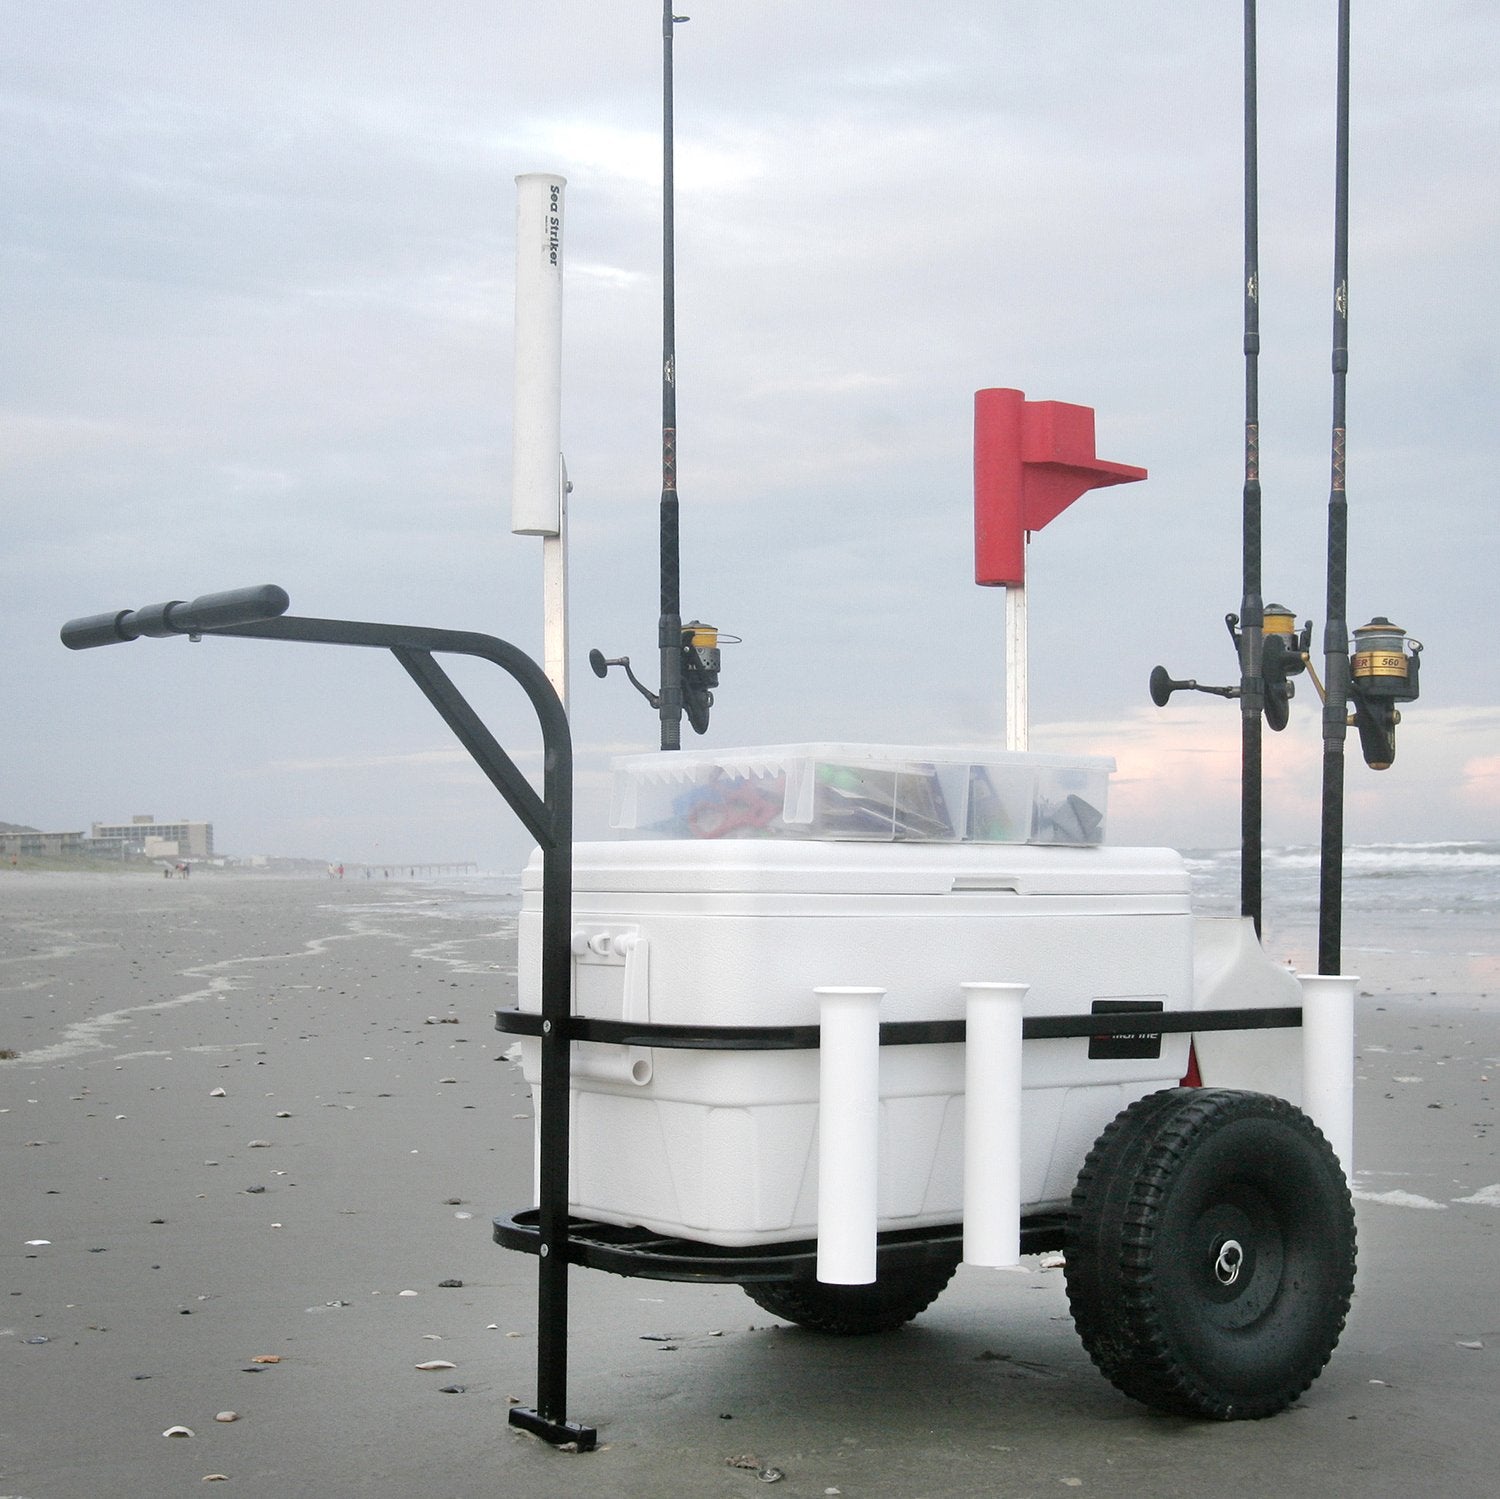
[(854, 1311), (1115, 1222)]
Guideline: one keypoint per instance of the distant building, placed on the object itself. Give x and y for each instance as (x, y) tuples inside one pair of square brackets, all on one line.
[(143, 834), (32, 842)]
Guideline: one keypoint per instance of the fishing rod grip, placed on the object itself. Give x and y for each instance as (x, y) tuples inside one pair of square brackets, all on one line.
[(212, 611)]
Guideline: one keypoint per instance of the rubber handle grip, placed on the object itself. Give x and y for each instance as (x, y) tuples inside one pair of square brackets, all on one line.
[(96, 629), (239, 606), (213, 611)]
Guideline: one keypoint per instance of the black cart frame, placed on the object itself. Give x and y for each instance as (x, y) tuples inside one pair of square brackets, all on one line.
[(259, 614), (546, 1230)]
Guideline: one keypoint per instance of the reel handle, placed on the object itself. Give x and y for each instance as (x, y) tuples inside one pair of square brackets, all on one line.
[(1163, 685)]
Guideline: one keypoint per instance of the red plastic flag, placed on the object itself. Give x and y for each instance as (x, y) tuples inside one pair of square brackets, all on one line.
[(1032, 459)]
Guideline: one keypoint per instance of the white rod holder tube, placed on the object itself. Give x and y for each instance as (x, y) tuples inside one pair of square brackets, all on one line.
[(536, 453), (1328, 1060), (848, 1133), (992, 1123)]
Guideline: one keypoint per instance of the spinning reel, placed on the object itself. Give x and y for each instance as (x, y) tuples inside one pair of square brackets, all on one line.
[(1284, 654), (698, 664), (1383, 670)]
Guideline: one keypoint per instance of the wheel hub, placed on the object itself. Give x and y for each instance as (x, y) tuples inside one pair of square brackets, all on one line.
[(1238, 1259), (1229, 1262)]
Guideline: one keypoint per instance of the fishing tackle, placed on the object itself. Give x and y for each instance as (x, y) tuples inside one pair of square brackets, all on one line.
[(698, 671), (1382, 669), (689, 652)]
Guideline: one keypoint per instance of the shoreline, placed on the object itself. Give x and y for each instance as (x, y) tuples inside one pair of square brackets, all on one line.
[(251, 1115)]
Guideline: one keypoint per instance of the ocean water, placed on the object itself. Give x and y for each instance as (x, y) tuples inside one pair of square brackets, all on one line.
[(1421, 880), (1408, 908), (1425, 916)]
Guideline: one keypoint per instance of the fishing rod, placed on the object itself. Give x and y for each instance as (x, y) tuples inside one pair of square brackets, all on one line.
[(1383, 669), (1252, 605), (669, 628), (1264, 638), (689, 653), (1336, 631)]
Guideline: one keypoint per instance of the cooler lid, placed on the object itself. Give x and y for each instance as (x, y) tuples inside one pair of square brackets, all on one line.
[(703, 866)]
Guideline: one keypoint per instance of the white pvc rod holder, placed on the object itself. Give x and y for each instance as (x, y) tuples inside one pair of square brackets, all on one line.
[(536, 457), (1328, 1060), (992, 1123), (848, 1133), (539, 481)]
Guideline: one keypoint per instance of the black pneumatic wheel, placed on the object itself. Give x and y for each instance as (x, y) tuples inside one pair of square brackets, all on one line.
[(1210, 1253), (895, 1298)]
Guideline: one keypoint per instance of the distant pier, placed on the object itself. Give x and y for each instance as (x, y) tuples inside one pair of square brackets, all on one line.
[(398, 871)]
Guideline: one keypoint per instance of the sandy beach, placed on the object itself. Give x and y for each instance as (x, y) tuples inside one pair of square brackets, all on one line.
[(254, 1135)]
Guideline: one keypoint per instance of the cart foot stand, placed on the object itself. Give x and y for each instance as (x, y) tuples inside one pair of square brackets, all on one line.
[(558, 1433), (547, 1419)]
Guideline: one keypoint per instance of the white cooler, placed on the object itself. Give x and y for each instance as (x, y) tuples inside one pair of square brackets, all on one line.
[(721, 1147)]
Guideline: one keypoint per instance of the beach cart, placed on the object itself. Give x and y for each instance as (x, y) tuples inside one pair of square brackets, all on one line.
[(844, 1017)]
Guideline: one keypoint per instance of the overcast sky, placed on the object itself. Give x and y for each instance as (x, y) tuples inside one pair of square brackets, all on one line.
[(256, 282)]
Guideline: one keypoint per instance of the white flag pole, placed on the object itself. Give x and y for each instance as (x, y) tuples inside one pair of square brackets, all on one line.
[(1015, 667)]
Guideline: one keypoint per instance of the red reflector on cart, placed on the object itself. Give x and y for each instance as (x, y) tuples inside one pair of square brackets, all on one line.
[(1192, 1078)]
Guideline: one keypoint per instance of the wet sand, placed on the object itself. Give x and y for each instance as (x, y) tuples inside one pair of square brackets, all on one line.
[(368, 1129)]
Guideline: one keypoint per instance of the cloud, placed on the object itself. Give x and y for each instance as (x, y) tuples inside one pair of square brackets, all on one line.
[(256, 280), (1481, 783), (325, 764)]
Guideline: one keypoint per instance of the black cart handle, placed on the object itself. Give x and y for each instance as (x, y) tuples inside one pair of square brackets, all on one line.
[(239, 606)]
